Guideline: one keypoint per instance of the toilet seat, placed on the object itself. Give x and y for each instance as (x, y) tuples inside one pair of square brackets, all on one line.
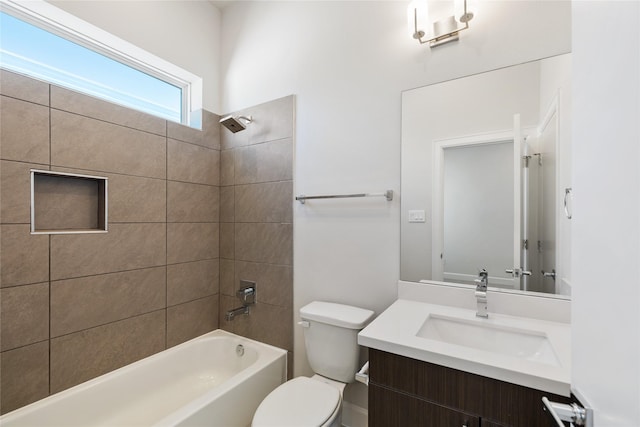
[(299, 402)]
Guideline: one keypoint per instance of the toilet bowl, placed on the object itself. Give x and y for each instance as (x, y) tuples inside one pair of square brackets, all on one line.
[(332, 349), (301, 402)]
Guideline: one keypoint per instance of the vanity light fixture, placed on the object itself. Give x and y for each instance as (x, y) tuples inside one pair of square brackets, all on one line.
[(442, 24)]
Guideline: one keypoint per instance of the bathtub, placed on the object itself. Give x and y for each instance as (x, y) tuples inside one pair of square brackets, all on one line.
[(217, 379)]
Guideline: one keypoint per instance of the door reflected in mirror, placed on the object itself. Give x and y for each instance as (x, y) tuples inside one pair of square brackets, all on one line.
[(486, 158), (478, 213)]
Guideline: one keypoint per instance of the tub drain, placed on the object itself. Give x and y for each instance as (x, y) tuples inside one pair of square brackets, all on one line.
[(240, 350)]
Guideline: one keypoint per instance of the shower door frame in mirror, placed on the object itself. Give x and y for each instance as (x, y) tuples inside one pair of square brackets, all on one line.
[(445, 111)]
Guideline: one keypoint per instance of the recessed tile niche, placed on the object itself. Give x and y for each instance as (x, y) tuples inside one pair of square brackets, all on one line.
[(65, 203)]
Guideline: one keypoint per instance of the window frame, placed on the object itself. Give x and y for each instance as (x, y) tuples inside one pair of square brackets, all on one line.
[(61, 23)]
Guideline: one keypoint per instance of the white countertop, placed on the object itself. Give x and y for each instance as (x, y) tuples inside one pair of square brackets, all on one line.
[(395, 331)]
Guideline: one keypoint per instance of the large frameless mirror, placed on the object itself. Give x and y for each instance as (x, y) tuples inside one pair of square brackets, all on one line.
[(485, 175)]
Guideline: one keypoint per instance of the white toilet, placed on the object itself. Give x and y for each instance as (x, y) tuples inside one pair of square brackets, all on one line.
[(331, 340)]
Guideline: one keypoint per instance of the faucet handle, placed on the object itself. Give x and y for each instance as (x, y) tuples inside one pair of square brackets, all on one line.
[(247, 292), (482, 281)]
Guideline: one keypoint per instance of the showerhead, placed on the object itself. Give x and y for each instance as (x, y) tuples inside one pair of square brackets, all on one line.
[(235, 123)]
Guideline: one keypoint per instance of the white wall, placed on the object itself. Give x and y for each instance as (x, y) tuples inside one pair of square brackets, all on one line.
[(347, 63), (186, 33), (606, 221)]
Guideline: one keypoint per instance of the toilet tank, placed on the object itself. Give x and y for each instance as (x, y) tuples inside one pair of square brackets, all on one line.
[(331, 338)]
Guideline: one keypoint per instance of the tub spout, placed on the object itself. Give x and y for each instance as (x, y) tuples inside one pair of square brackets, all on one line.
[(231, 314)]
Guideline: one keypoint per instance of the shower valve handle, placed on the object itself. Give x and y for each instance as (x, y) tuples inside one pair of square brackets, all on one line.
[(247, 292)]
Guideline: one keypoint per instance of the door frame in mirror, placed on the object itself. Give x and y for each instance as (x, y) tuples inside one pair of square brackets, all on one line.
[(437, 196)]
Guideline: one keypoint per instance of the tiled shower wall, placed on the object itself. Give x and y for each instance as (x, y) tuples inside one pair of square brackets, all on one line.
[(76, 306), (256, 230)]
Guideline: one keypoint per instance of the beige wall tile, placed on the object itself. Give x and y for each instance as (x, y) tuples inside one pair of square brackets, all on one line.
[(15, 188), (24, 376), (268, 242), (228, 283), (84, 143), (192, 242), (267, 323), (274, 283), (86, 302), (289, 365), (65, 203), (227, 240), (75, 102), (273, 120), (266, 202), (81, 356), (192, 280), (25, 88), (24, 131), (192, 202), (192, 163), (271, 161), (227, 167), (24, 318), (24, 257), (229, 139), (270, 121), (209, 136), (227, 303), (124, 247), (191, 319), (227, 204), (137, 199), (132, 198)]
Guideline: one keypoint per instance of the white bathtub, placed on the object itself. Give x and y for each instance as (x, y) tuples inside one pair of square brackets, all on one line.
[(202, 382)]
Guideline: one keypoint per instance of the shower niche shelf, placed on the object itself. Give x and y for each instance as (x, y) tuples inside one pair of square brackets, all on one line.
[(67, 203)]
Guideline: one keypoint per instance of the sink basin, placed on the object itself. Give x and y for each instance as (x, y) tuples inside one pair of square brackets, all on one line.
[(531, 352), (481, 334)]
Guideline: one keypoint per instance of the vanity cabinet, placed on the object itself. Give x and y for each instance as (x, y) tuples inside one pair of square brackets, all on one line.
[(409, 392), (394, 408)]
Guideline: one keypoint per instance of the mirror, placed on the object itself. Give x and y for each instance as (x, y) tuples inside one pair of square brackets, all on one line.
[(486, 178)]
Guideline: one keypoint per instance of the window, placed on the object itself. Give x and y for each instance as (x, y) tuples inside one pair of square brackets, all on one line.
[(97, 64)]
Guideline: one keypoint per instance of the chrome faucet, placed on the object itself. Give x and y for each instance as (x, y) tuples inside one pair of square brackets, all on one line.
[(481, 293), (247, 293), (231, 314)]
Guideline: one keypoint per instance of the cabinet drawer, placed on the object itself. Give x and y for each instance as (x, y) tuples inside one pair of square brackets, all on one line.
[(390, 408)]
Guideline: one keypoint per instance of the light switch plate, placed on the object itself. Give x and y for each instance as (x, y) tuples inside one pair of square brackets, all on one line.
[(416, 216)]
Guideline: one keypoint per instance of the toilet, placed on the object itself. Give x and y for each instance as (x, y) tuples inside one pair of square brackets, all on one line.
[(331, 340)]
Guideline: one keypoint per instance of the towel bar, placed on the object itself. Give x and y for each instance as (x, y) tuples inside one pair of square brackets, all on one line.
[(388, 194)]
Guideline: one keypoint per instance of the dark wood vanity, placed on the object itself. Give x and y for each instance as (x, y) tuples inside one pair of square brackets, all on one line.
[(412, 393)]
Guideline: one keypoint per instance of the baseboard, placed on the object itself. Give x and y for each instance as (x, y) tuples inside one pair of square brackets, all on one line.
[(354, 416)]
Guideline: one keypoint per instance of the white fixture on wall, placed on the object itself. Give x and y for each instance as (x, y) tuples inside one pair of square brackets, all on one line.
[(439, 22)]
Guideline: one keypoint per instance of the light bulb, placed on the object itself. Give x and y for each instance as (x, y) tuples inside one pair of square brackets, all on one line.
[(417, 14), (459, 10)]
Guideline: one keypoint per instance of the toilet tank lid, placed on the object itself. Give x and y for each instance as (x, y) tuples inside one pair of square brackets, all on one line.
[(342, 315)]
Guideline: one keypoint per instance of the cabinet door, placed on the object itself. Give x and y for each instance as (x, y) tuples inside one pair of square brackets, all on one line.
[(389, 408), (522, 406)]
